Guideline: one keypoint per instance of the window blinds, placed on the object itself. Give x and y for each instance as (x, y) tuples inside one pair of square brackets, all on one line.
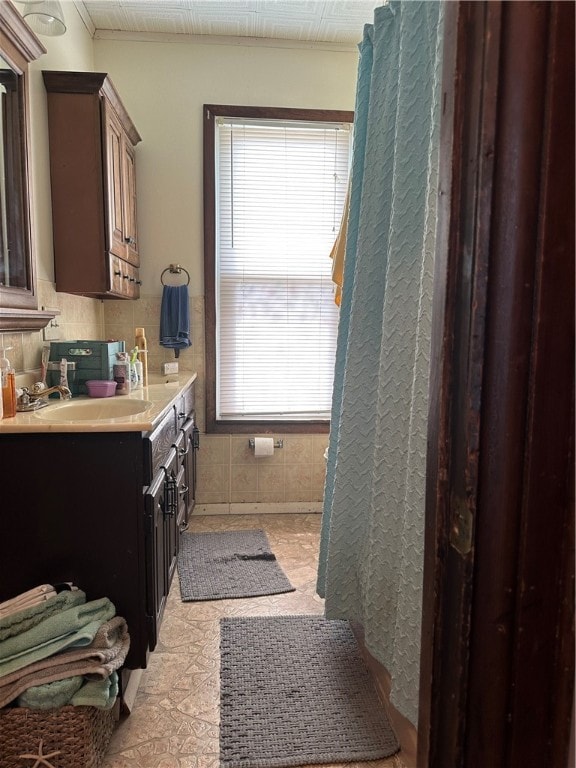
[(279, 198)]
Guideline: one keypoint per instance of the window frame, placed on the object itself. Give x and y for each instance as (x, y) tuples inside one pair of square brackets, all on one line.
[(211, 111)]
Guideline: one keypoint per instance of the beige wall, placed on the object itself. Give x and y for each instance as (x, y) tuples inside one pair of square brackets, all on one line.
[(164, 85)]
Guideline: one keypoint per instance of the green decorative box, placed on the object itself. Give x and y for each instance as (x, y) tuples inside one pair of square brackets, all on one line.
[(94, 359)]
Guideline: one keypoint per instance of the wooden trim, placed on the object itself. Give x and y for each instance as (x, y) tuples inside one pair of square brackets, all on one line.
[(19, 46), (25, 320), (210, 112), (209, 172), (95, 83), (269, 427), (497, 663), (15, 31), (280, 113)]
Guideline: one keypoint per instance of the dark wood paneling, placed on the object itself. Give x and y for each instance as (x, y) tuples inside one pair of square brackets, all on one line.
[(497, 660)]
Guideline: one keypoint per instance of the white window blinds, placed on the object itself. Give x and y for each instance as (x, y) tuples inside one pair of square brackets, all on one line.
[(279, 196)]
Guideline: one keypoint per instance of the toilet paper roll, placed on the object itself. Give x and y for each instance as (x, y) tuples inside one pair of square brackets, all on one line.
[(263, 446)]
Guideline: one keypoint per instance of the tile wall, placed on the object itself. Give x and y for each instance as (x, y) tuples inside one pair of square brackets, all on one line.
[(228, 472), (79, 318)]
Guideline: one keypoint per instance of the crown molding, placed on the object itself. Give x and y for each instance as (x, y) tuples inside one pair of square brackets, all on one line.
[(256, 42)]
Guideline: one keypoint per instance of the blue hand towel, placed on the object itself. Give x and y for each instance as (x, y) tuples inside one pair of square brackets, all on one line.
[(175, 318)]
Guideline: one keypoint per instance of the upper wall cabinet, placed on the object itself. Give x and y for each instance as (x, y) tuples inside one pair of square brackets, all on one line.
[(18, 299), (92, 171)]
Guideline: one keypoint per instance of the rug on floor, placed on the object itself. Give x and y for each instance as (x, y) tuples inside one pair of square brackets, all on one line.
[(228, 564), (294, 690)]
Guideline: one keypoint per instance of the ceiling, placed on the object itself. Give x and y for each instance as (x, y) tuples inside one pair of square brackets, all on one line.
[(318, 21)]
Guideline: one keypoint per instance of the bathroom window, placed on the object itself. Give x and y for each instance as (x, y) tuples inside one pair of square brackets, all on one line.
[(275, 185)]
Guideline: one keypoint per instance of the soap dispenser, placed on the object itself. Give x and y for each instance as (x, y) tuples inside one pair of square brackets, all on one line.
[(8, 379)]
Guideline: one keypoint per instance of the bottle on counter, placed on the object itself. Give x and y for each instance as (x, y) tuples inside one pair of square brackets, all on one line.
[(142, 345), (121, 373), (8, 379)]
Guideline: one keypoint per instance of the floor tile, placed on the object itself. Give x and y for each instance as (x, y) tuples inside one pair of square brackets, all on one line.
[(174, 722)]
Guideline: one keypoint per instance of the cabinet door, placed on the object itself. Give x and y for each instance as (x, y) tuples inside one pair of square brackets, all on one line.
[(155, 501), (129, 192), (171, 467), (116, 282), (114, 138), (188, 459)]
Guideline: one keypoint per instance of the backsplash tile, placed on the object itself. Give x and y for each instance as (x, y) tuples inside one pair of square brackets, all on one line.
[(228, 469)]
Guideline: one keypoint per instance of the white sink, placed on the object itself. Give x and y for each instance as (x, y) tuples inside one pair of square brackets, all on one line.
[(96, 409)]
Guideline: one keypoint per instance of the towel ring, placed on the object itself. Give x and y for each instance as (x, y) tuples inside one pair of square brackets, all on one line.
[(175, 269)]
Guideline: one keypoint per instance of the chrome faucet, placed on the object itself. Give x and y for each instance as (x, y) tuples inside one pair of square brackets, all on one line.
[(31, 400)]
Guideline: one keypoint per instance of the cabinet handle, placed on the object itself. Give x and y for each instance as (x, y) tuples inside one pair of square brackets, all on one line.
[(196, 438), (183, 490), (181, 415), (138, 282), (126, 277), (117, 274), (132, 280), (130, 240), (171, 497)]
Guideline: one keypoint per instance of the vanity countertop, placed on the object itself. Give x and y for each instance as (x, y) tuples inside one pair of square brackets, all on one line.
[(160, 392)]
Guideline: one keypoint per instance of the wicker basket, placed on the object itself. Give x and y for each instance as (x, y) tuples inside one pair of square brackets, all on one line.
[(80, 734)]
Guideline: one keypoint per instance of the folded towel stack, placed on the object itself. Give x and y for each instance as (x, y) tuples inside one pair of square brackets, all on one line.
[(60, 649)]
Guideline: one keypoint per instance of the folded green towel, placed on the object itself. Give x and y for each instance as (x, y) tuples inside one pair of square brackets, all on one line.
[(68, 629), (27, 618), (97, 693), (105, 654), (51, 695)]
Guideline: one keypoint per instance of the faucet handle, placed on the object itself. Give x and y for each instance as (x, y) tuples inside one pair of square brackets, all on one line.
[(24, 398)]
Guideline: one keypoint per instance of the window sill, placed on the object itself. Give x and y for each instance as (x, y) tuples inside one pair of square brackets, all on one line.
[(268, 427)]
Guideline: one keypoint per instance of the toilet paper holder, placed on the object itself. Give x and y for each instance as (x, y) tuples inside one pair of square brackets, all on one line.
[(277, 443)]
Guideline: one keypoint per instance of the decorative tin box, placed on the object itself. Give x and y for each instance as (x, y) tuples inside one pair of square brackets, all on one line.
[(94, 359)]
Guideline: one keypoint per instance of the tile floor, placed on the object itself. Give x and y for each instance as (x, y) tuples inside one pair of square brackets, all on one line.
[(174, 722)]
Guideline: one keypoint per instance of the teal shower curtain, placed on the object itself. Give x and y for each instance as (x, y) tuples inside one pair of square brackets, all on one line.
[(371, 549)]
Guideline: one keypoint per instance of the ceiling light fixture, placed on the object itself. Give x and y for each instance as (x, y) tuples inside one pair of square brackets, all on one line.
[(45, 17)]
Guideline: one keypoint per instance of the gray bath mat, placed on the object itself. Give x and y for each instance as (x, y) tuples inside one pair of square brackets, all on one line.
[(216, 566), (294, 690)]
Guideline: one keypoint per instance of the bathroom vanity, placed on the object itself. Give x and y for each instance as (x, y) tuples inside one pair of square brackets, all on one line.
[(101, 504)]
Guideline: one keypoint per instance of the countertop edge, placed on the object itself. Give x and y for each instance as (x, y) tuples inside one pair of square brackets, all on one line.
[(161, 391)]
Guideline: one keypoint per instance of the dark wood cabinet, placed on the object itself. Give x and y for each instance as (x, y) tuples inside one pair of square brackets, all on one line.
[(93, 179), (103, 510)]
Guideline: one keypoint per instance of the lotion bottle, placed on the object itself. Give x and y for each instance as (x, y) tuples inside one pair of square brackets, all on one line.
[(8, 379)]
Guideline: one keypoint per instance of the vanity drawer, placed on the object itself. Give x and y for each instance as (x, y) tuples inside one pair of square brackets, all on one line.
[(157, 445)]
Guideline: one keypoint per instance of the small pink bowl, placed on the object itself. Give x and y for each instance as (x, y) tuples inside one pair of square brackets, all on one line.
[(101, 388)]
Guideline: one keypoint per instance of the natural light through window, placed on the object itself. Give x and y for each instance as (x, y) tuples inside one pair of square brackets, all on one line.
[(279, 193)]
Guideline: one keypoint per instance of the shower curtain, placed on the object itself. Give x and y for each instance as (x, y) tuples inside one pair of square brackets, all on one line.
[(371, 550)]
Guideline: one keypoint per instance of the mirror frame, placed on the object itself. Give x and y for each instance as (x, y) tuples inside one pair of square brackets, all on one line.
[(18, 47)]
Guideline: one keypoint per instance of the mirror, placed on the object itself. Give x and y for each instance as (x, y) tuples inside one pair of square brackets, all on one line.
[(13, 257), (18, 300)]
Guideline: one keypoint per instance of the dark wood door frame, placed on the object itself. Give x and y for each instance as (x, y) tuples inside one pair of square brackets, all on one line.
[(497, 665)]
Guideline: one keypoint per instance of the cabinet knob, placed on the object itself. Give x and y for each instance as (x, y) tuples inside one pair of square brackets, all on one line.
[(125, 277), (130, 241), (138, 282), (132, 279)]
